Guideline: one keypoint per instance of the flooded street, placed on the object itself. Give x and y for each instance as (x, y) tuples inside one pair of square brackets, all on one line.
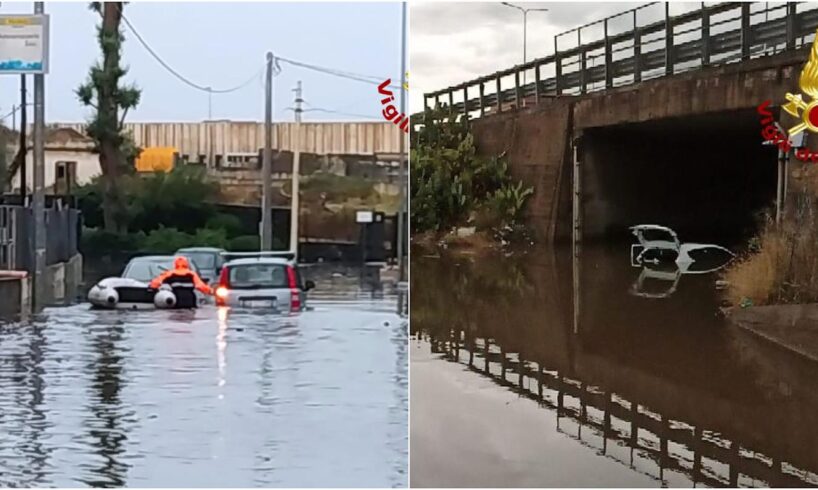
[(642, 384), (210, 397)]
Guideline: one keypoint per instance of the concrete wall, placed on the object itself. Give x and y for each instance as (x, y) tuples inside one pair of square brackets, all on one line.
[(729, 87), (535, 142), (15, 303), (63, 280), (221, 137)]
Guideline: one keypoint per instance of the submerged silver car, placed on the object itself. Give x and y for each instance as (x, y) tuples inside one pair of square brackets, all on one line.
[(272, 283)]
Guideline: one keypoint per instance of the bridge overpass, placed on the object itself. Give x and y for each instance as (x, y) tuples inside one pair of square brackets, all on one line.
[(653, 123)]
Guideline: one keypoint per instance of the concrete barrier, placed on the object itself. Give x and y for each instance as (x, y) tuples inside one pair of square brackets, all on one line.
[(15, 300), (62, 281)]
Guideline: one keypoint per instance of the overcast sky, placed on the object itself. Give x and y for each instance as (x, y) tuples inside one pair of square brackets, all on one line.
[(455, 42), (222, 44)]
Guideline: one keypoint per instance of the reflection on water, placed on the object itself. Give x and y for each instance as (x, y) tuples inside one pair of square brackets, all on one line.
[(663, 388), (210, 397)]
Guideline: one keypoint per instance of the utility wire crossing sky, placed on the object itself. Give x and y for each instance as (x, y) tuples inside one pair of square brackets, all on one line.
[(175, 51)]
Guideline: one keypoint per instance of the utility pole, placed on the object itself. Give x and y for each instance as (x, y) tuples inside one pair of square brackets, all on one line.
[(295, 204), (525, 12), (39, 178), (23, 145), (401, 169), (267, 163)]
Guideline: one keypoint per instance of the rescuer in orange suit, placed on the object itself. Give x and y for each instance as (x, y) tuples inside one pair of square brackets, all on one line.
[(181, 270)]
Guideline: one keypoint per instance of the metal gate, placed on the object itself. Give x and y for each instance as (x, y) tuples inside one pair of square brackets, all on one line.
[(8, 235)]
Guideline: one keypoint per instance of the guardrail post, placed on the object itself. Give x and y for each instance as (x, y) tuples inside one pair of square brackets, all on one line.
[(637, 51), (482, 104), (537, 84), (498, 94), (608, 59), (517, 89), (466, 100), (705, 36), (668, 41), (558, 65), (582, 62), (745, 31), (791, 25)]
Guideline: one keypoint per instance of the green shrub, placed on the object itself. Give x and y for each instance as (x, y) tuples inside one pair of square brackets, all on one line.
[(98, 242), (178, 199), (230, 224), (451, 184), (244, 243), (167, 240), (206, 237)]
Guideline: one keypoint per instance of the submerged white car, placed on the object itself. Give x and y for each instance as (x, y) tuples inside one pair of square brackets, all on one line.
[(664, 260), (659, 244)]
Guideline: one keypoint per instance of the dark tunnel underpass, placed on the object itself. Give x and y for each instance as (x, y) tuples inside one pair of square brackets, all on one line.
[(707, 177)]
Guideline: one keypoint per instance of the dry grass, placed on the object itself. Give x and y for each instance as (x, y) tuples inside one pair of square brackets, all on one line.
[(783, 267), (754, 276)]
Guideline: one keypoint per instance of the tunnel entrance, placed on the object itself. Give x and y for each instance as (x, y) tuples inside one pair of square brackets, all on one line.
[(708, 177)]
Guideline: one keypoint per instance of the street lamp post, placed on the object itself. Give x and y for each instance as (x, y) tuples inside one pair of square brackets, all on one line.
[(525, 12)]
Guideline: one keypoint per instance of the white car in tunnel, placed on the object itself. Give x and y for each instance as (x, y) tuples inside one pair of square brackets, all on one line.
[(659, 244)]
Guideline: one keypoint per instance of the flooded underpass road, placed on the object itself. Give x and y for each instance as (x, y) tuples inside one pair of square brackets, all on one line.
[(208, 398), (641, 384)]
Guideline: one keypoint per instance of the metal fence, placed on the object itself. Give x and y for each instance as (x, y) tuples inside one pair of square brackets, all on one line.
[(716, 34), (17, 236)]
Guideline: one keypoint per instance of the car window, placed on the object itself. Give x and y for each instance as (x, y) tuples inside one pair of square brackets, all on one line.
[(251, 276), (203, 260), (143, 270), (146, 270), (652, 235)]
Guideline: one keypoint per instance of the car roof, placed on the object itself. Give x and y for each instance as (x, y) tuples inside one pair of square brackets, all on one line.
[(157, 259), (153, 258), (259, 260), (200, 249)]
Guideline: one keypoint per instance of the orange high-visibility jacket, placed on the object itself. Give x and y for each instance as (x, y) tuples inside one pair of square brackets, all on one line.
[(181, 268)]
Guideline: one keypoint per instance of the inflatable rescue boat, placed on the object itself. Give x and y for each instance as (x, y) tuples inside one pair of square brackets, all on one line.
[(120, 293)]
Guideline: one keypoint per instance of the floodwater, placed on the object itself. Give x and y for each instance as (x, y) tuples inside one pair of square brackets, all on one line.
[(642, 384), (209, 398)]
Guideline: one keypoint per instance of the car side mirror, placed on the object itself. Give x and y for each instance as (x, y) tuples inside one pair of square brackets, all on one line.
[(308, 285)]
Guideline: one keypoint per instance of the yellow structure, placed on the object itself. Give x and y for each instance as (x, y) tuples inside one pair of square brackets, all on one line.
[(156, 159)]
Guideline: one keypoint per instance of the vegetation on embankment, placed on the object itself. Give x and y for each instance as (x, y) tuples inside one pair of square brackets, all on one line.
[(163, 212), (781, 266), (453, 187), (168, 211)]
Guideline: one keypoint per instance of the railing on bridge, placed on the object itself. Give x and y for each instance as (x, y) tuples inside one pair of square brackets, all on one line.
[(710, 35), (614, 420)]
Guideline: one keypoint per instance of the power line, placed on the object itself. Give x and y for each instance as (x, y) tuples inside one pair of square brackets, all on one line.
[(338, 73), (369, 79), (180, 76), (16, 108)]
